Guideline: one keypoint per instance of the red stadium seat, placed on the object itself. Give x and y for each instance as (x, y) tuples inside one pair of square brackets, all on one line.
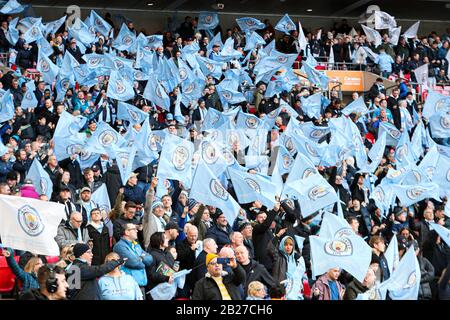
[(7, 277), (52, 259)]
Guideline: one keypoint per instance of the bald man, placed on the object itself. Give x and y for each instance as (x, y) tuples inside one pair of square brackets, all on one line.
[(72, 231)]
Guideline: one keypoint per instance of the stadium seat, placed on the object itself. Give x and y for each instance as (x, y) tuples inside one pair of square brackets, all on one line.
[(7, 277)]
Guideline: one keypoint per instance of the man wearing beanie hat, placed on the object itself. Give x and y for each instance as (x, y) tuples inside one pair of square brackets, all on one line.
[(153, 220), (217, 283), (221, 230), (81, 267)]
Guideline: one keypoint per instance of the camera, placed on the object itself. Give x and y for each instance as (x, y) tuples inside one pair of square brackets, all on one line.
[(220, 6), (223, 261)]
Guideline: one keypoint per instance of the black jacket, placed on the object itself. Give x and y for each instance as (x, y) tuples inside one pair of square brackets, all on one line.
[(261, 238), (73, 166), (33, 294), (207, 289), (257, 272), (101, 244), (89, 286), (427, 276), (155, 278), (221, 237)]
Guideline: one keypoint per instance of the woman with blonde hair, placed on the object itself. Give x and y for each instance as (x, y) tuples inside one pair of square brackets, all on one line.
[(256, 291), (117, 285), (28, 275)]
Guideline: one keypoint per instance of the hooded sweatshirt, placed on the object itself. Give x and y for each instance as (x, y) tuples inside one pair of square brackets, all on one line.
[(119, 288)]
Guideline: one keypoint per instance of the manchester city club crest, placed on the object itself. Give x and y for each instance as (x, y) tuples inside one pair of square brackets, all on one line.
[(253, 184), (85, 155), (98, 22), (34, 32), (127, 40), (234, 138), (120, 87), (448, 175), (415, 192), (44, 185), (311, 150), (119, 64), (282, 59), (94, 62), (209, 66), (287, 161), (29, 96), (341, 247), (189, 89), (308, 172), (30, 221), (251, 122), (445, 121), (107, 138), (317, 192), (183, 74), (158, 91), (133, 115), (207, 19), (394, 133), (290, 146), (412, 279), (180, 157), (153, 141), (45, 67), (317, 134), (442, 104), (123, 157), (209, 153), (80, 71), (65, 83), (227, 95), (218, 190), (228, 156), (379, 194)]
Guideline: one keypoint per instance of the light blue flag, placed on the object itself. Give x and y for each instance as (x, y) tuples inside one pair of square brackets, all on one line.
[(270, 119), (440, 124), (119, 88), (156, 93), (253, 40), (3, 149), (207, 189), (154, 41), (269, 48), (441, 174), (71, 145), (391, 254), (314, 151), (48, 69), (315, 77), (417, 139), (99, 23), (185, 73), (392, 133), (207, 20), (175, 160), (406, 120), (12, 7), (312, 105), (252, 187), (356, 106), (94, 60), (216, 40), (403, 154), (101, 198), (103, 139), (210, 67), (274, 87), (211, 153), (6, 107), (41, 179), (250, 24), (377, 151), (334, 227), (43, 45), (283, 165), (165, 290), (124, 158), (286, 25), (350, 253), (53, 26), (178, 116), (313, 193), (125, 40), (190, 49), (248, 121), (13, 34), (193, 91), (411, 194), (27, 22), (229, 96), (435, 102), (429, 162), (301, 169), (228, 52), (80, 31), (294, 282), (34, 32), (69, 125), (29, 100), (129, 112), (213, 120), (148, 144), (404, 283), (443, 232)]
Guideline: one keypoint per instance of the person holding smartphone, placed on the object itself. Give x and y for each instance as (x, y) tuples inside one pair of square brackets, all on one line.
[(218, 284)]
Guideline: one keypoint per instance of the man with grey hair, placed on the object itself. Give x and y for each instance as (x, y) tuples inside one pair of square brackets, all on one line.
[(199, 269), (72, 231)]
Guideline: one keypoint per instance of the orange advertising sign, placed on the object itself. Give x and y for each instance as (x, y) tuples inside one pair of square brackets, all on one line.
[(350, 80)]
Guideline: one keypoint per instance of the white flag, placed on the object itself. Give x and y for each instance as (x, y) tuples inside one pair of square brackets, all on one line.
[(30, 225), (384, 21), (331, 58), (394, 35), (412, 31), (302, 42), (422, 74), (372, 35)]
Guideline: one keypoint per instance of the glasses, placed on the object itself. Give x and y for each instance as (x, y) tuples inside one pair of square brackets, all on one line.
[(78, 221), (213, 264), (134, 229)]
